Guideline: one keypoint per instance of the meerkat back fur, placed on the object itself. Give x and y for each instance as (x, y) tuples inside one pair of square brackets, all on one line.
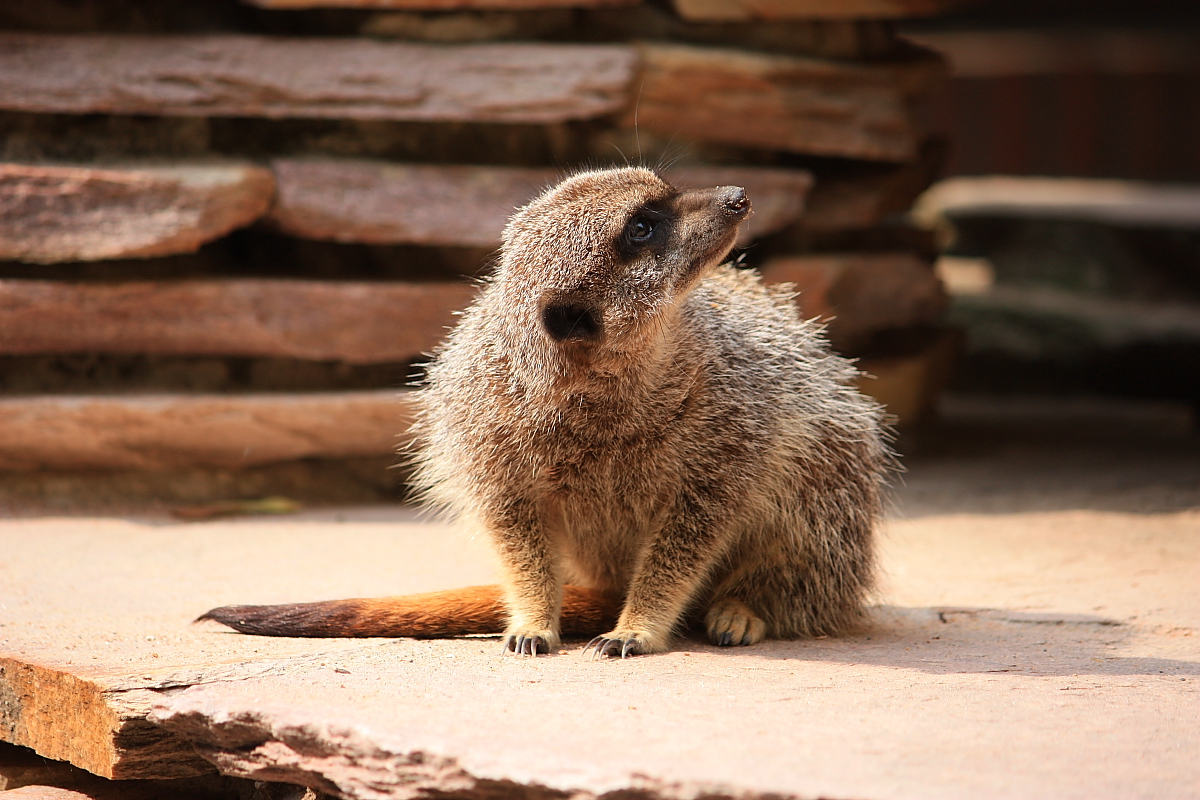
[(641, 428)]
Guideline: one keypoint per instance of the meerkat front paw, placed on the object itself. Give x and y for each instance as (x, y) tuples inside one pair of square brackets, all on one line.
[(732, 622), (528, 642), (625, 643)]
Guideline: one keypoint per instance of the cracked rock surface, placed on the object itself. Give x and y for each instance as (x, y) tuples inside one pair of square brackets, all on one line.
[(1037, 636)]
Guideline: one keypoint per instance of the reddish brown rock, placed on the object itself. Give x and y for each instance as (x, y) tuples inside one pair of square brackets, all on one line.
[(47, 793), (863, 195), (737, 10), (441, 5), (250, 76), (167, 431), (358, 323), (802, 105), (74, 213), (861, 294), (374, 202), (909, 386)]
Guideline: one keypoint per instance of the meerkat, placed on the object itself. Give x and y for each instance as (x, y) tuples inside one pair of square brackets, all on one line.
[(649, 436)]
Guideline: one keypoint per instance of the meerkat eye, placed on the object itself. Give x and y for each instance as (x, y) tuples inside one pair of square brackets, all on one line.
[(640, 228)]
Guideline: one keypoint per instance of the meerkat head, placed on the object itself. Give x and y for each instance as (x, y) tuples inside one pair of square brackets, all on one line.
[(602, 255)]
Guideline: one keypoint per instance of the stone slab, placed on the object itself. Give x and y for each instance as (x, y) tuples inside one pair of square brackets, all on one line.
[(84, 654), (771, 10), (51, 213), (1110, 202), (441, 5), (113, 432), (861, 294), (39, 777), (802, 105), (357, 323), (864, 195), (468, 206), (252, 76), (1037, 638), (909, 386)]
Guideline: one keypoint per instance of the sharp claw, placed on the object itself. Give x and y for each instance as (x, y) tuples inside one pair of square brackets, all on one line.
[(726, 639), (506, 645), (625, 648), (535, 646)]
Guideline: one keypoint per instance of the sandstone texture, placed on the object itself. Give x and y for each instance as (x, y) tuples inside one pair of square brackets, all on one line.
[(111, 432), (768, 10), (84, 654), (357, 323), (1108, 202), (861, 294), (866, 194), (802, 105), (251, 76), (468, 206), (54, 213), (441, 5), (1036, 637)]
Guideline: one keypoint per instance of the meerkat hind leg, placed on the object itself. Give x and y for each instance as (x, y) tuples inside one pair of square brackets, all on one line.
[(732, 622)]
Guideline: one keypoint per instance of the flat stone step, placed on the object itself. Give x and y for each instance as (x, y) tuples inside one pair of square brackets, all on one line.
[(254, 76), (769, 10), (81, 432), (1111, 202), (468, 206), (441, 5), (352, 322), (865, 195), (96, 624), (980, 680), (51, 213), (861, 294), (802, 105)]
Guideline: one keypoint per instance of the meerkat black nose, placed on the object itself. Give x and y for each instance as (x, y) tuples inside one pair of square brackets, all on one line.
[(734, 199)]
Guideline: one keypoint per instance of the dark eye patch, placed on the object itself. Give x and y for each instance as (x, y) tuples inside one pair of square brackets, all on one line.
[(642, 230)]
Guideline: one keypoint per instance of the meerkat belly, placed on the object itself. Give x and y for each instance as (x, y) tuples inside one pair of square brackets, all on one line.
[(606, 509)]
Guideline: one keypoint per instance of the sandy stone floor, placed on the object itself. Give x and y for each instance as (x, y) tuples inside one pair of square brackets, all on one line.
[(1037, 636)]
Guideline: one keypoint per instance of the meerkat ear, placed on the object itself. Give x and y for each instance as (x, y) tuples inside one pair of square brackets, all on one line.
[(568, 320)]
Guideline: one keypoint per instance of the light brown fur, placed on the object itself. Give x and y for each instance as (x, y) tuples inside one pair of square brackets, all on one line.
[(625, 415)]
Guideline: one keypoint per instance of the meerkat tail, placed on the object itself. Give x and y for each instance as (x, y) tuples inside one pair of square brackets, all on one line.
[(434, 615)]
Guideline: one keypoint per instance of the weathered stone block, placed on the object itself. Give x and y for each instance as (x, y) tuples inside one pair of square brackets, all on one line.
[(802, 105), (255, 76), (468, 206), (169, 431), (74, 213), (96, 623), (441, 5), (861, 294), (358, 323), (768, 10)]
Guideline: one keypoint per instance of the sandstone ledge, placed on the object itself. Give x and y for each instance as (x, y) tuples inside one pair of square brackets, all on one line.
[(254, 76), (802, 105), (168, 431), (51, 213), (861, 294), (770, 10), (356, 323), (468, 206)]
